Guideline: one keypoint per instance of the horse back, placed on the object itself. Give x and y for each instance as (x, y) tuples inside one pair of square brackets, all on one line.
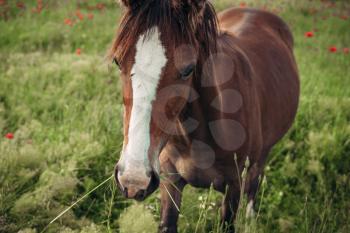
[(265, 44)]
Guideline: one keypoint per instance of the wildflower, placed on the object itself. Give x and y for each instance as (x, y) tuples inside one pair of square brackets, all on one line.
[(2, 2), (264, 7), (9, 136), (346, 50), (275, 10), (312, 11), (79, 15), (100, 6), (20, 5), (343, 17), (78, 51), (332, 5), (309, 34), (39, 7), (332, 49), (68, 22), (242, 4), (90, 16), (40, 3)]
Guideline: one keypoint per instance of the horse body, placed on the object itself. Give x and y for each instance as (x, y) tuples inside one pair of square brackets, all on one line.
[(244, 102), (269, 87)]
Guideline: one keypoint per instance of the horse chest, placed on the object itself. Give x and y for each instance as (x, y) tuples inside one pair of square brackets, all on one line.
[(200, 177)]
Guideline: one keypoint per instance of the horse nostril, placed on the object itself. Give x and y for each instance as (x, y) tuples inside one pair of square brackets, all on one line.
[(125, 192), (140, 195), (149, 174), (135, 186)]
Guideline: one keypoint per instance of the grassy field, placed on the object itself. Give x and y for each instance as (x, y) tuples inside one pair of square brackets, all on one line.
[(61, 129)]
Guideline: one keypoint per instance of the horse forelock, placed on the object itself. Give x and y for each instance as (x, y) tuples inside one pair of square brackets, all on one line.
[(179, 23)]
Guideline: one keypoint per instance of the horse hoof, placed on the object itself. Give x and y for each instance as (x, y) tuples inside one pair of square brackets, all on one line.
[(167, 230)]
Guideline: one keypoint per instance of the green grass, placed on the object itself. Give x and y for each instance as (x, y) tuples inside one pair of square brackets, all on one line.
[(65, 112)]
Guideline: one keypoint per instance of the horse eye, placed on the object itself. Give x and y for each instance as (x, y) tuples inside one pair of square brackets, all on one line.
[(186, 73)]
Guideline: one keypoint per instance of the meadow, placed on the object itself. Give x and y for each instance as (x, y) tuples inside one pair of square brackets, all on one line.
[(61, 129)]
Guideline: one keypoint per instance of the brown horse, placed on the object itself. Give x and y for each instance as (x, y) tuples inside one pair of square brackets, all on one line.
[(198, 89)]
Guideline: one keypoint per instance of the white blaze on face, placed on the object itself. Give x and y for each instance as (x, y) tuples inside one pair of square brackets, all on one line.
[(150, 59)]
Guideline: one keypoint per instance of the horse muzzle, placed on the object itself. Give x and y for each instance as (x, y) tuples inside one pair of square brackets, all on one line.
[(136, 183)]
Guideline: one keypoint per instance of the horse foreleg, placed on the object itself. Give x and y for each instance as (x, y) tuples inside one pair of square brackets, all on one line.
[(229, 209), (171, 194)]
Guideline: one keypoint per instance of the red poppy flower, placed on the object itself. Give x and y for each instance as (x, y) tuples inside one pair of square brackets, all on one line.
[(20, 5), (332, 49), (39, 7), (90, 16), (312, 11), (275, 10), (346, 50), (264, 7), (9, 136), (344, 17), (2, 2), (40, 3), (309, 34), (68, 22), (242, 4), (332, 5), (79, 15), (78, 51), (100, 6)]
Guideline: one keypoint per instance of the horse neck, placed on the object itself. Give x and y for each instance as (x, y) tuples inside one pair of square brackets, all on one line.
[(199, 110)]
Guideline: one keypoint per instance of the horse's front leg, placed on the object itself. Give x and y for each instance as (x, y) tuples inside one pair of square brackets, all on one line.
[(229, 209), (171, 187)]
